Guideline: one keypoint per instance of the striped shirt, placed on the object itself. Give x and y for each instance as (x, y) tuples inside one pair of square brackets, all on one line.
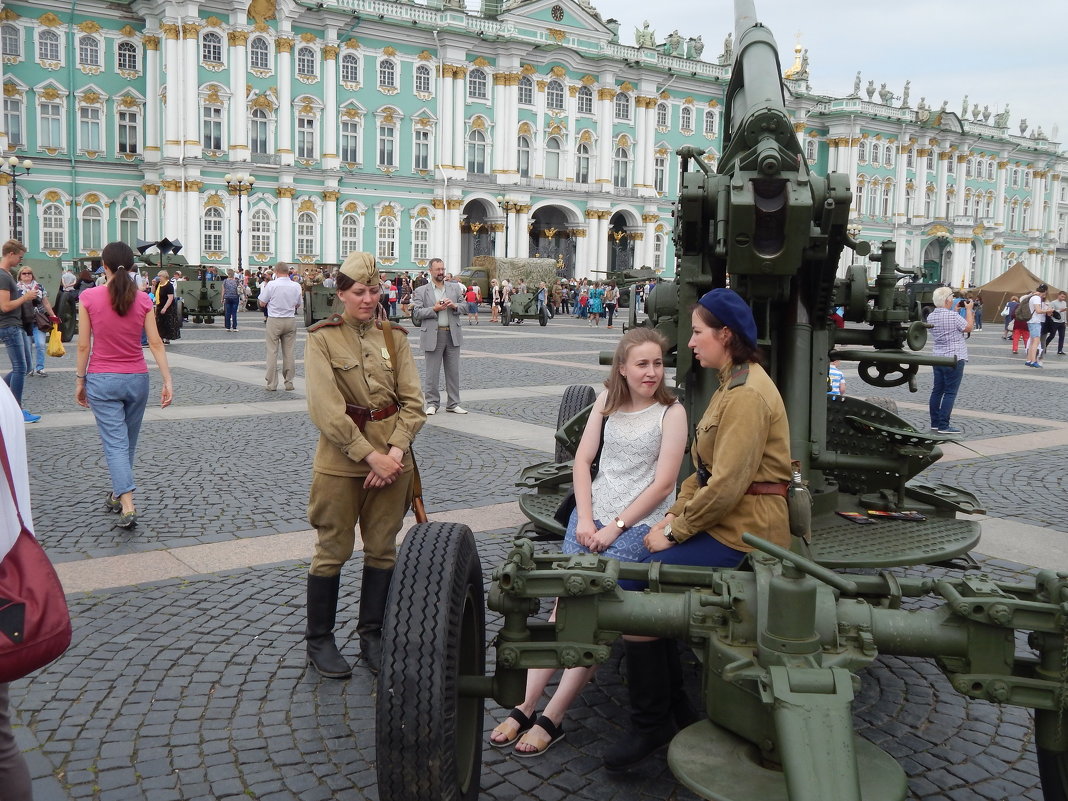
[(947, 327), (834, 380)]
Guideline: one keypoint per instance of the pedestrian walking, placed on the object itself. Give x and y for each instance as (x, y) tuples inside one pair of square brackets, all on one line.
[(35, 337), (280, 300), (231, 300), (948, 329), (168, 323), (1055, 322), (436, 308), (12, 332)]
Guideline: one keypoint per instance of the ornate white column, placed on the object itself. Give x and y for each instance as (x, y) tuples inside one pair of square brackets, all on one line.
[(452, 257), (641, 141), (920, 210), (284, 221), (999, 195), (649, 146), (173, 207), (1038, 196), (190, 104), (649, 221), (501, 126), (328, 217), (500, 242), (152, 211), (459, 104), (901, 180), (942, 184), (330, 124), (239, 149), (962, 184), (445, 112), (153, 139), (172, 108), (567, 169), (438, 236), (537, 145), (960, 262), (507, 136), (594, 246), (190, 234), (284, 48), (605, 138), (522, 235)]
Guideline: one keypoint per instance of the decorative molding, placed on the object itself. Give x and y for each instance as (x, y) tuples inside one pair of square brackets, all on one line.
[(50, 20), (556, 34), (480, 62), (389, 50), (237, 38), (190, 30), (308, 38), (606, 93), (330, 52), (283, 44), (285, 191), (455, 203), (306, 205)]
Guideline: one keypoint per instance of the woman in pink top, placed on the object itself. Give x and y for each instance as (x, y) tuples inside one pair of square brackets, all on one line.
[(111, 376)]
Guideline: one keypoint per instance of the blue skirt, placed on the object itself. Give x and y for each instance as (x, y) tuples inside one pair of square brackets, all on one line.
[(628, 547)]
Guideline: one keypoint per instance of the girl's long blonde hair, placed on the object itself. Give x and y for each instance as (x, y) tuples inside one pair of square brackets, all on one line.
[(616, 384)]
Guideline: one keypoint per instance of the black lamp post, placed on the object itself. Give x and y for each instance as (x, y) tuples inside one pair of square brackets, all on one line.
[(239, 185), (13, 168)]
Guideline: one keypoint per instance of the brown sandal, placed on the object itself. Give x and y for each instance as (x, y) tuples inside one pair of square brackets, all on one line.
[(525, 724), (556, 734)]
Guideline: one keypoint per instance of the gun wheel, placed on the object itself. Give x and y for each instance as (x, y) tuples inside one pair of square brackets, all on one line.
[(576, 398), (543, 316), (429, 736)]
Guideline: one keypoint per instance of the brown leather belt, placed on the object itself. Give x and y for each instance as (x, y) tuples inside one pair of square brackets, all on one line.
[(361, 414), (768, 488)]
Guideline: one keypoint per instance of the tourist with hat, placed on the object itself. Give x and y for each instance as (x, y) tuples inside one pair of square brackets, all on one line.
[(365, 399)]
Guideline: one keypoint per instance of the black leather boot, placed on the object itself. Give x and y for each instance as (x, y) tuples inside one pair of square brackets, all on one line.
[(322, 610), (651, 722), (372, 611), (681, 709)]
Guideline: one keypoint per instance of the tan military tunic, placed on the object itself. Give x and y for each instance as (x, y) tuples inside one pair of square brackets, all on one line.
[(743, 437)]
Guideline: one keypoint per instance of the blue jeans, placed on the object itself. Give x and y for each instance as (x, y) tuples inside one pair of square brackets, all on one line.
[(14, 338), (118, 402), (37, 339), (230, 313), (946, 383), (700, 550)]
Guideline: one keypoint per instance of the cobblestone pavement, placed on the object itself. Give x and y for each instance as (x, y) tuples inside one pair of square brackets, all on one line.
[(196, 688)]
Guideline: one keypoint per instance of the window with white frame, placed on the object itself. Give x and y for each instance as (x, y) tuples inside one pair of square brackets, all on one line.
[(422, 79), (876, 154), (910, 199), (552, 158), (477, 88), (810, 150), (350, 141), (126, 55), (888, 191), (910, 158), (523, 152), (387, 74), (11, 41), (1014, 210), (582, 163), (622, 106), (259, 56), (306, 234), (53, 227), (350, 68), (261, 232), (662, 115), (930, 161), (710, 122), (306, 62), (48, 46), (660, 174), (862, 151), (211, 127), (421, 149), (212, 230), (989, 209), (387, 145), (19, 231), (621, 168), (129, 131), (991, 170), (259, 131), (1015, 177), (969, 168), (1025, 220), (526, 91), (686, 119), (476, 151), (554, 96), (89, 129), (872, 196), (88, 51), (350, 234), (306, 136), (92, 228), (13, 121), (387, 238), (659, 244), (129, 226), (584, 100), (951, 164), (889, 160), (420, 239), (211, 48), (928, 203), (50, 128), (1027, 179)]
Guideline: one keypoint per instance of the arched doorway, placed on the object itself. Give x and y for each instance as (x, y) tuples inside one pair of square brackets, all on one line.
[(936, 260), (550, 238), (620, 243), (475, 236)]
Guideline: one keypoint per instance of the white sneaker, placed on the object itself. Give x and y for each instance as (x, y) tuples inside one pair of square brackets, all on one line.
[(457, 410), (431, 410)]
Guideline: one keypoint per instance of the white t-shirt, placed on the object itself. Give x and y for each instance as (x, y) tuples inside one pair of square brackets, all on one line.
[(1058, 307), (1037, 317)]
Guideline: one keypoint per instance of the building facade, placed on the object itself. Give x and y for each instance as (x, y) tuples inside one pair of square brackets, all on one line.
[(415, 130)]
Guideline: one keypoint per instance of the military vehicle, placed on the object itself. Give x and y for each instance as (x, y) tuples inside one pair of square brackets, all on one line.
[(626, 280), (524, 306), (780, 639), (319, 301), (201, 297)]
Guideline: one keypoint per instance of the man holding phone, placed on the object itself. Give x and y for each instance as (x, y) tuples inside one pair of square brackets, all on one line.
[(948, 329), (436, 309)]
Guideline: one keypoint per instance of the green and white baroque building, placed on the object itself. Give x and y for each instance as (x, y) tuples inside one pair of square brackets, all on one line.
[(416, 130)]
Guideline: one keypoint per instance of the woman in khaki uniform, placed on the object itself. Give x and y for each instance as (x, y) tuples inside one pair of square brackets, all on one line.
[(741, 452), (368, 407)]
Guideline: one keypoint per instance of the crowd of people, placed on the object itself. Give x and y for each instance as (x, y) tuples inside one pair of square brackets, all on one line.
[(1042, 321)]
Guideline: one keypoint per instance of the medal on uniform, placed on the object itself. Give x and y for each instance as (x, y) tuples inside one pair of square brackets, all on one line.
[(385, 354)]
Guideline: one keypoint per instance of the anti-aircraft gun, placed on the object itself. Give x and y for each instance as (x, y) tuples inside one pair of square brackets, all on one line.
[(782, 638)]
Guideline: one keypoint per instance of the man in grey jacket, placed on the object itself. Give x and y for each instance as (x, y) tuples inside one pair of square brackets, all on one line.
[(436, 308)]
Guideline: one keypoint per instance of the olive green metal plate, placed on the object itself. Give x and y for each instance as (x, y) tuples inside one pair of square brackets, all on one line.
[(720, 766), (837, 542), (540, 508)]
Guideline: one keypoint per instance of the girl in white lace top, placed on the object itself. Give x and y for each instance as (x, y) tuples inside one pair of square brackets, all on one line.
[(644, 440)]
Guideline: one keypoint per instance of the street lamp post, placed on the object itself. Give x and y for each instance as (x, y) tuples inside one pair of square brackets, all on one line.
[(239, 185), (507, 206), (13, 168)]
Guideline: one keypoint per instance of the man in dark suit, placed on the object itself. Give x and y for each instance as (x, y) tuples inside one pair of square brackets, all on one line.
[(436, 308)]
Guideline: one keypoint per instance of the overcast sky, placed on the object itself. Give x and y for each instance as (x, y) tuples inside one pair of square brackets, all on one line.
[(996, 53)]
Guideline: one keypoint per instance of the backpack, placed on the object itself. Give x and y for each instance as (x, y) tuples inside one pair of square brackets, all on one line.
[(1023, 311)]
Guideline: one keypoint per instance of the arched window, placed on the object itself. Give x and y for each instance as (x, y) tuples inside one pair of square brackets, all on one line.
[(1027, 179), (659, 244), (710, 123), (10, 41), (991, 168), (523, 151), (212, 231), (552, 158), (888, 191), (969, 168), (989, 210), (350, 68), (910, 158), (259, 129), (554, 95), (476, 84), (420, 239), (129, 226), (621, 168), (585, 100), (48, 49), (211, 48), (306, 234), (871, 207), (526, 91), (422, 79), (259, 54), (810, 150), (387, 74), (53, 228), (387, 238), (127, 53), (660, 174), (862, 151), (928, 203), (876, 153), (686, 119), (306, 62), (88, 51), (476, 151), (261, 232), (889, 155), (661, 115), (351, 238), (582, 163), (622, 106), (92, 228), (1015, 176)]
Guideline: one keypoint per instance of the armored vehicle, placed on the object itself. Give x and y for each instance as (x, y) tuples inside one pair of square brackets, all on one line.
[(782, 638), (319, 301), (201, 297)]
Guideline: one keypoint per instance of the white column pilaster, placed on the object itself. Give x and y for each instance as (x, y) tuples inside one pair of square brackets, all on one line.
[(172, 109), (537, 145), (445, 114), (1000, 217), (191, 90), (330, 122), (522, 236), (459, 126), (284, 48), (502, 131), (605, 139), (942, 184), (239, 149), (152, 212), (153, 140), (284, 220)]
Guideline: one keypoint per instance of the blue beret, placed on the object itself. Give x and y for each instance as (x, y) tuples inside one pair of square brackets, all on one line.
[(729, 308)]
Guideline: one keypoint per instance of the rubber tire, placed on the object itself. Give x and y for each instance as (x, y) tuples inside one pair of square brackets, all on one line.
[(1053, 771), (543, 317), (576, 398), (209, 320), (428, 739), (506, 316), (308, 320), (887, 404)]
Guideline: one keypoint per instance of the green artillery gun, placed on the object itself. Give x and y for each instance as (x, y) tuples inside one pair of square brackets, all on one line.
[(524, 306), (782, 638), (201, 297), (625, 280)]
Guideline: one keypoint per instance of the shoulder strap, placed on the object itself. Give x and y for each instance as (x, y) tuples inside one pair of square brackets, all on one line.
[(391, 347), (10, 480), (739, 375)]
